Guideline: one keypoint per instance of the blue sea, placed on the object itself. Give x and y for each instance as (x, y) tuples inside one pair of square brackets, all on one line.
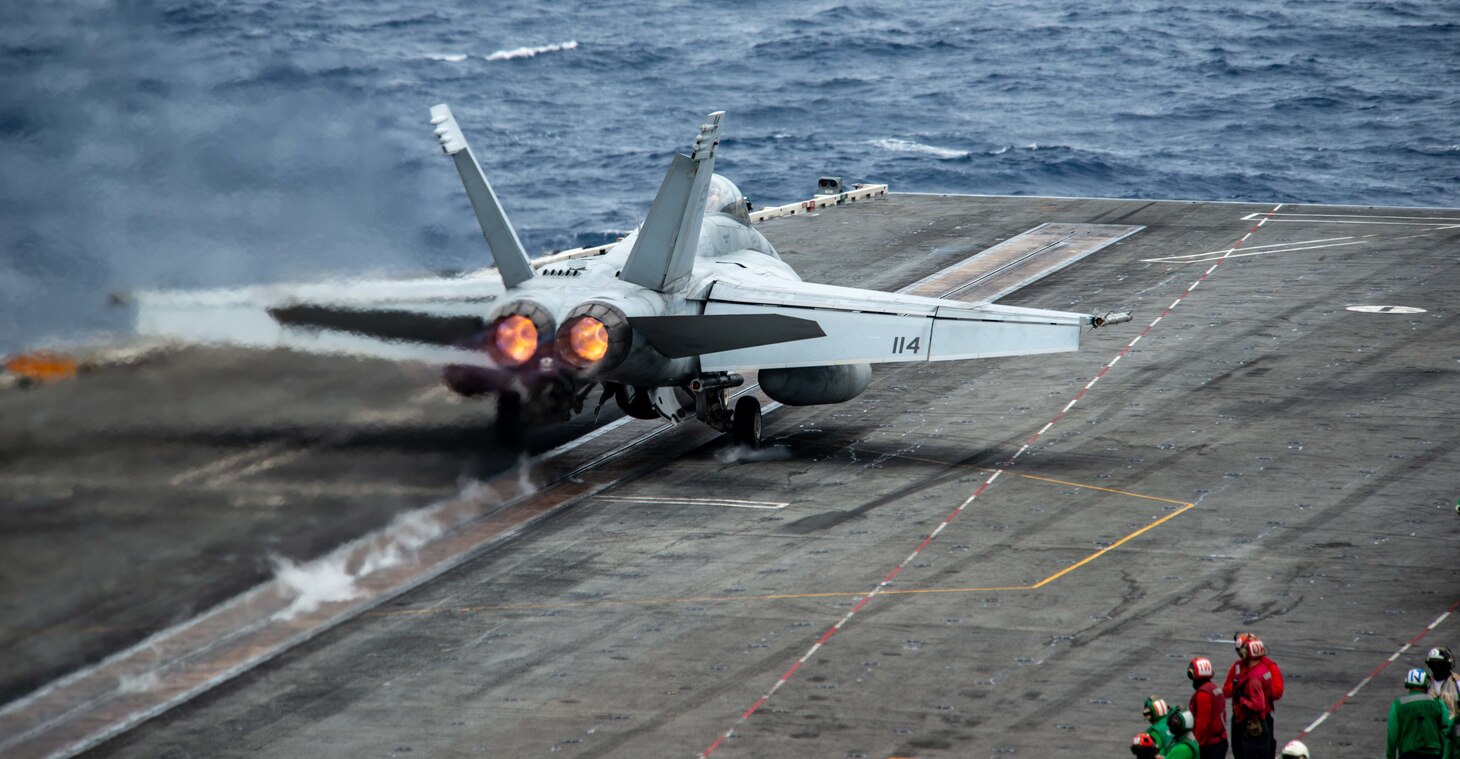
[(221, 142)]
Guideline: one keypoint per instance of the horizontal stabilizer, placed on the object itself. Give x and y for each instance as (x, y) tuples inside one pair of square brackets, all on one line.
[(408, 326), (695, 334), (870, 327)]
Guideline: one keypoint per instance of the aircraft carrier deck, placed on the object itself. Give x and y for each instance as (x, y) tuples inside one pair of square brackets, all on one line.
[(989, 558)]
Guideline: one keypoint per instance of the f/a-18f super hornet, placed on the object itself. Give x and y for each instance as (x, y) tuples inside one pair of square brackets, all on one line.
[(666, 322)]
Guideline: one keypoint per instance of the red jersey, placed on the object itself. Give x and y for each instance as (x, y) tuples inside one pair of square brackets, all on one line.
[(1272, 678), (1210, 711), (1250, 701)]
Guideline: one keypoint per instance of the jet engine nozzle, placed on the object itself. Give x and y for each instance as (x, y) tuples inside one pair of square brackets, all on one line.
[(518, 332), (594, 338), (513, 340)]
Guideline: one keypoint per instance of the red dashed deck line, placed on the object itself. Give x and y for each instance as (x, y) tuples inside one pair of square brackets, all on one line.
[(886, 581), (1382, 665)]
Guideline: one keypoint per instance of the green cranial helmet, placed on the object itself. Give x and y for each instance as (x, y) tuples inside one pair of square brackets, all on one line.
[(1155, 708)]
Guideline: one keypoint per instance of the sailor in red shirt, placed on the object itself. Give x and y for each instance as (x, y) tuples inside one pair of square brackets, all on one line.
[(1209, 708), (1267, 672), (1252, 735)]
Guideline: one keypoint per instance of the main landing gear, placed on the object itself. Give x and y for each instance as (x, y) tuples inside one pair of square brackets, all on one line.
[(745, 423), (712, 409)]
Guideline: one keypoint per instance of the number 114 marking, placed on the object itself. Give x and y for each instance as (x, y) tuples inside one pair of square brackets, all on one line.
[(904, 345)]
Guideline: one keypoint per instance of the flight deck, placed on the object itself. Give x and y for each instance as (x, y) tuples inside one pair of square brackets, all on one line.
[(218, 552)]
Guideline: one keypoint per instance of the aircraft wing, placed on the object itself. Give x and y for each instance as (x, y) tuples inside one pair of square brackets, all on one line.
[(870, 326), (423, 320)]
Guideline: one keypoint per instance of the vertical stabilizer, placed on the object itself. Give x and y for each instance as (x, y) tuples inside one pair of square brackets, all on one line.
[(512, 260), (664, 251)]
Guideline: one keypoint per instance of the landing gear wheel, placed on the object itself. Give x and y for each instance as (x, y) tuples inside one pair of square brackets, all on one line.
[(745, 424)]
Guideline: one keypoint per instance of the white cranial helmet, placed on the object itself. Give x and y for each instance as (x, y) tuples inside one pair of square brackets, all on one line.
[(1295, 750)]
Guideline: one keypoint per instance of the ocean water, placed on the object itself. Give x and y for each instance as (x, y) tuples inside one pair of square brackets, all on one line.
[(212, 143)]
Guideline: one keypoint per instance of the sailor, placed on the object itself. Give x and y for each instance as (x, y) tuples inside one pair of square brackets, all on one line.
[(1444, 682), (1143, 746), (1183, 743), (1208, 708), (1252, 736), (1419, 726), (1445, 686), (1267, 672), (1294, 750), (1156, 711)]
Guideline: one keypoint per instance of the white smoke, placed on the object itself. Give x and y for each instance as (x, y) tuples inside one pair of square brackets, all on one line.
[(336, 577), (314, 583), (138, 683), (738, 453)]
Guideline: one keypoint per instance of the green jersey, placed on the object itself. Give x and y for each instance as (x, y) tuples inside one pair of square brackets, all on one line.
[(1161, 734), (1183, 748), (1419, 724)]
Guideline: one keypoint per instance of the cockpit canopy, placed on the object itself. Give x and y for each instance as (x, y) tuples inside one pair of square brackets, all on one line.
[(724, 197)]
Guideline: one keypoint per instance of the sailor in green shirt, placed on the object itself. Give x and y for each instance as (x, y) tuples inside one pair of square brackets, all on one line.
[(1156, 712), (1418, 724), (1183, 743)]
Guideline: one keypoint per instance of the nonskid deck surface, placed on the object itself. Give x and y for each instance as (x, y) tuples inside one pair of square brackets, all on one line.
[(1262, 457)]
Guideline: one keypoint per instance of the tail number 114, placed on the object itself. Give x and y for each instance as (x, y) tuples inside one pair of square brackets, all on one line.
[(906, 345)]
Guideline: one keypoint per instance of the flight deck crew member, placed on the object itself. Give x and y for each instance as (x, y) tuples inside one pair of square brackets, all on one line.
[(1419, 726), (1209, 709), (1444, 682), (1144, 746), (1252, 655), (1183, 743), (1156, 711), (1252, 736), (1445, 686), (1294, 750)]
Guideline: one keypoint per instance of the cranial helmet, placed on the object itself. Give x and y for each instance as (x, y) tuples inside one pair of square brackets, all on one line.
[(1441, 662), (1416, 679), (1155, 709), (1253, 648), (1200, 668), (1295, 750), (1143, 745), (1181, 722)]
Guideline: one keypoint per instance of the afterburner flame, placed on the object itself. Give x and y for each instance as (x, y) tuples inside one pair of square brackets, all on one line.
[(515, 338), (588, 339)]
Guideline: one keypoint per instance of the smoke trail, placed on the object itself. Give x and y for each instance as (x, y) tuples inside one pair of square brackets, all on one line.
[(145, 148), (335, 577)]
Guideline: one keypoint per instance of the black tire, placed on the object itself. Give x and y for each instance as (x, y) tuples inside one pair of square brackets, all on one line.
[(745, 424)]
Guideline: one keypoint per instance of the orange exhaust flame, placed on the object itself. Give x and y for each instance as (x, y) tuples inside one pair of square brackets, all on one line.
[(588, 339), (515, 338), (41, 367)]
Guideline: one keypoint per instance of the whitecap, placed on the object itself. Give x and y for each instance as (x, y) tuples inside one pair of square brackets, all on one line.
[(907, 146), (528, 52), (446, 57)]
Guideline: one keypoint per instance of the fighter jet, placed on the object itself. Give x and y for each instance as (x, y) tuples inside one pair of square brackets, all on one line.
[(666, 322)]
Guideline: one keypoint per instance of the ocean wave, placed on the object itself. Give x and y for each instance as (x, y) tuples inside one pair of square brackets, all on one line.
[(528, 52), (908, 146), (446, 57)]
